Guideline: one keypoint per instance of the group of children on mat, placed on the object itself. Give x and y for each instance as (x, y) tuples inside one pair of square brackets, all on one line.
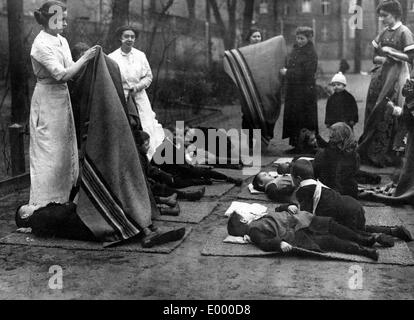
[(320, 210), (167, 180), (316, 216)]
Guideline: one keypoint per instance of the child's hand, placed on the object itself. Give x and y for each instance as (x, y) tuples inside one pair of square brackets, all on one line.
[(397, 111), (293, 209), (283, 71), (351, 123), (285, 247)]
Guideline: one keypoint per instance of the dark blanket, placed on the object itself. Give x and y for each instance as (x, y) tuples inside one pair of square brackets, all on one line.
[(114, 201)]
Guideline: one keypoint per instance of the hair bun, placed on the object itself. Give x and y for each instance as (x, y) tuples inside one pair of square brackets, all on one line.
[(38, 16)]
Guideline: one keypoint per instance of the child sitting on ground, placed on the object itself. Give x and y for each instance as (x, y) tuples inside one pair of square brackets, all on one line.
[(341, 106), (280, 231), (322, 201), (278, 189)]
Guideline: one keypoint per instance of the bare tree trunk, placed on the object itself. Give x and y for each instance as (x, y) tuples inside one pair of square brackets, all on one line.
[(341, 52), (404, 5), (358, 45), (161, 16), (229, 34), (247, 17), (231, 7), (276, 18), (18, 72), (120, 17), (377, 2), (191, 9), (19, 85)]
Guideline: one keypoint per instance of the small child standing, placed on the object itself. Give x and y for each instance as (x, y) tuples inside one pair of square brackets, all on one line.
[(341, 106)]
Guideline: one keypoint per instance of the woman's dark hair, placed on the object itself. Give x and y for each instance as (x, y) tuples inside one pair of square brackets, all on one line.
[(122, 29), (78, 50), (391, 6), (42, 15), (252, 31), (305, 31)]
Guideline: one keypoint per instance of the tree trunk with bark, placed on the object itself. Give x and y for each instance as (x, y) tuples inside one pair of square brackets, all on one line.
[(228, 33), (17, 66), (358, 45), (247, 17), (341, 53), (19, 85), (191, 9), (120, 17)]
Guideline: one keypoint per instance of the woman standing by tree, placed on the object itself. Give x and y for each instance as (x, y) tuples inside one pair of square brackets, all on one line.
[(136, 78), (301, 109), (54, 166), (394, 50)]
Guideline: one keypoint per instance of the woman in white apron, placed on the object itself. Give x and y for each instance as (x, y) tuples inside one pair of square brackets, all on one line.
[(54, 166), (136, 78)]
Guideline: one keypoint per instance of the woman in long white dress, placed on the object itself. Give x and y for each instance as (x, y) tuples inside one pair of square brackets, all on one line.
[(136, 78), (54, 166)]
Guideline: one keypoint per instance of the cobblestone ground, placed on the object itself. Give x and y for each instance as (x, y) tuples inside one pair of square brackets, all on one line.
[(185, 274)]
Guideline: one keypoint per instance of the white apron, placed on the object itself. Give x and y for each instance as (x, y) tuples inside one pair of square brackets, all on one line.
[(136, 73)]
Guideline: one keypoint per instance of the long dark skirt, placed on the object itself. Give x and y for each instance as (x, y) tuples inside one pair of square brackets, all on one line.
[(383, 133), (301, 111)]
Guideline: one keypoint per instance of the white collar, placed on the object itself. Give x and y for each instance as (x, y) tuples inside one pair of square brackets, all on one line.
[(309, 182), (396, 26), (126, 54), (54, 39)]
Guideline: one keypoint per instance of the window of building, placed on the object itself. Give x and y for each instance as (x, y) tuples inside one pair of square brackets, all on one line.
[(411, 6), (264, 7), (326, 7), (286, 9), (306, 6), (325, 34)]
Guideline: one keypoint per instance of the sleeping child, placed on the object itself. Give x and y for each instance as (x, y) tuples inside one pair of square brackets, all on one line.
[(322, 201), (281, 231), (278, 189)]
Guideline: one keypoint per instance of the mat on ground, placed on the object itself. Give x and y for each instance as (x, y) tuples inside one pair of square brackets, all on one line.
[(214, 191), (400, 254), (191, 212), (21, 239)]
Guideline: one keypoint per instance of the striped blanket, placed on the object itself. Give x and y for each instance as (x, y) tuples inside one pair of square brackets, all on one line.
[(255, 71), (114, 200)]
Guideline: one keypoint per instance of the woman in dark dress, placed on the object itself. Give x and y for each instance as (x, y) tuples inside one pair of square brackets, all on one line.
[(301, 109)]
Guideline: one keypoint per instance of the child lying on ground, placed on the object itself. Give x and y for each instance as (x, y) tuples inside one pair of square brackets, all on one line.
[(62, 221), (280, 231), (159, 180), (180, 175), (278, 189), (322, 201)]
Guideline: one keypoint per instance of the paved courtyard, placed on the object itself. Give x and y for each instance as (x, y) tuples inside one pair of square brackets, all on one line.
[(185, 273)]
